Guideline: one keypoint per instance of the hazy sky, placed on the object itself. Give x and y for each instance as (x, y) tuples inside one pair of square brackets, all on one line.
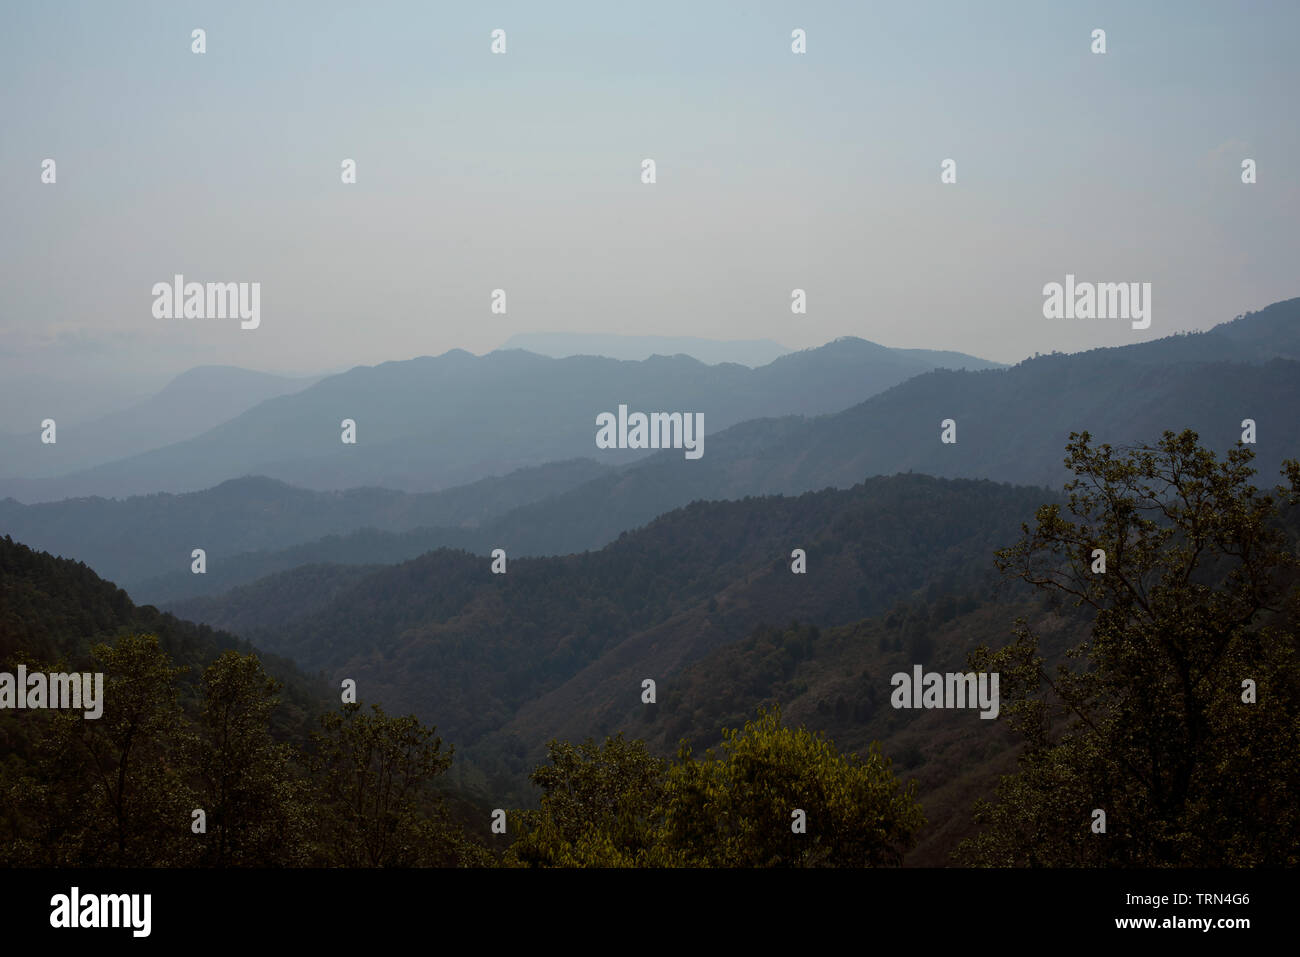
[(522, 171)]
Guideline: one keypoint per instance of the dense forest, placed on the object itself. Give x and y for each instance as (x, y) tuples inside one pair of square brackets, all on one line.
[(543, 649), (1161, 688)]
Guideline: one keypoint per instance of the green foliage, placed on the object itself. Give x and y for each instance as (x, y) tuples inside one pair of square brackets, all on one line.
[(735, 809), (193, 720), (1142, 718), (1198, 595), (597, 806), (619, 806), (106, 791), (373, 770), (256, 808), (837, 681)]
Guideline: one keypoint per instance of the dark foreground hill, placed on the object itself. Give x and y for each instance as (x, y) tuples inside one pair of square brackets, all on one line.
[(53, 610)]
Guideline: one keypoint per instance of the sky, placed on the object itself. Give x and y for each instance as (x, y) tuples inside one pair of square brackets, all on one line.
[(522, 172)]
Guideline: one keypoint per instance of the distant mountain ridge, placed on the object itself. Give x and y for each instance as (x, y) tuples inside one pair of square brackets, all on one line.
[(1011, 425), (187, 406), (559, 345), (436, 422), (146, 536)]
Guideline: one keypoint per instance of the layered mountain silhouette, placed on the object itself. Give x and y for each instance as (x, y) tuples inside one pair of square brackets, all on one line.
[(146, 536), (622, 569), (189, 405), (435, 422), (559, 345), (1012, 425)]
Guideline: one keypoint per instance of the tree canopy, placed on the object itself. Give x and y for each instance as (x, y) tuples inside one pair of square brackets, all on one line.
[(1179, 716), (773, 796)]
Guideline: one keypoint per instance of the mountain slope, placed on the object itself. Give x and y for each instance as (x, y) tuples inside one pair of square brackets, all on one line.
[(442, 628), (837, 681), (53, 610)]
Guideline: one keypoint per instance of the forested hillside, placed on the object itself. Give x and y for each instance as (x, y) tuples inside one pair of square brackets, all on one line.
[(557, 638), (53, 610), (669, 637)]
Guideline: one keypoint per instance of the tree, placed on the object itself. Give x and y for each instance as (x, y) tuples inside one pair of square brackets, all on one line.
[(247, 784), (737, 808), (373, 772), (1146, 719), (109, 791), (620, 806), (597, 809)]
